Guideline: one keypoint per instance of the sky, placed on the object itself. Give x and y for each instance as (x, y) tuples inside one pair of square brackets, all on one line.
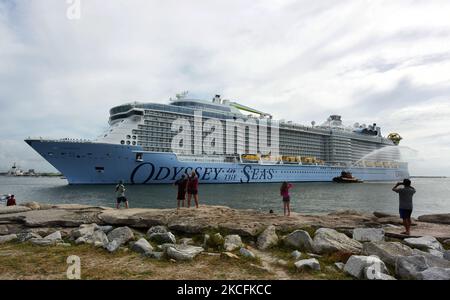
[(384, 62)]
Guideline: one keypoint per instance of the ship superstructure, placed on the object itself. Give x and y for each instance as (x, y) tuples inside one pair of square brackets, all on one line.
[(141, 146)]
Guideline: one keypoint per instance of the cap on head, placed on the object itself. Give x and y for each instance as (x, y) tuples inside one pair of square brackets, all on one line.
[(407, 182)]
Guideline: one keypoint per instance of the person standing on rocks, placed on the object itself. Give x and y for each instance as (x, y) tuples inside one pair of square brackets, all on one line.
[(193, 189), (120, 193), (284, 192), (182, 186), (405, 194)]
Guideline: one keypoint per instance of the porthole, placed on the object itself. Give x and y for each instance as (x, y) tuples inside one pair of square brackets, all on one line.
[(134, 137), (128, 137), (134, 143), (122, 142), (128, 142)]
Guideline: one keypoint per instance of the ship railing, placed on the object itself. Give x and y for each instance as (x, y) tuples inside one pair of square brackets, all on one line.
[(68, 140)]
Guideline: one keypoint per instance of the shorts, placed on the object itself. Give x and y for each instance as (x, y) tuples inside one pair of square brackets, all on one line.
[(405, 213), (121, 199), (192, 192), (286, 199)]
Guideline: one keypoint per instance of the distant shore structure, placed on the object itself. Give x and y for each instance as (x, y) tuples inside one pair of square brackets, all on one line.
[(138, 147)]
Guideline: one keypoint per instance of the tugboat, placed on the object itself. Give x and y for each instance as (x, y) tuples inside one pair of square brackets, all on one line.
[(346, 177)]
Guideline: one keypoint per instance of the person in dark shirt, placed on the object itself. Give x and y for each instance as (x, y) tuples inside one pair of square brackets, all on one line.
[(405, 195), (11, 201), (193, 189), (182, 186)]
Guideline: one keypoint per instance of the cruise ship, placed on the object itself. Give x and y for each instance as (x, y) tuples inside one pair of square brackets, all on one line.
[(223, 141)]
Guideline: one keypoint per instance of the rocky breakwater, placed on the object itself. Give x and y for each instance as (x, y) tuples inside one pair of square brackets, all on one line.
[(363, 246)]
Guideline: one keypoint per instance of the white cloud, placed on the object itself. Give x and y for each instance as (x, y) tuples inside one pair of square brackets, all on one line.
[(383, 61)]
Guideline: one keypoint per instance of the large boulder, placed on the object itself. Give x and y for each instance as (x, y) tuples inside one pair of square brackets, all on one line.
[(424, 243), (183, 252), (433, 260), (142, 246), (387, 251), (436, 218), (268, 238), (7, 238), (446, 255), (308, 264), (232, 242), (84, 230), (113, 246), (98, 239), (300, 240), (368, 234), (435, 273), (121, 234), (161, 238), (410, 267), (55, 236), (365, 267), (296, 254), (328, 240)]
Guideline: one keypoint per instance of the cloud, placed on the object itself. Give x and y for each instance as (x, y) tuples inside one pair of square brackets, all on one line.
[(371, 61)]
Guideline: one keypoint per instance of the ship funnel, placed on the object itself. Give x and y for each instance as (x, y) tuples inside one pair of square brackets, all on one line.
[(217, 99)]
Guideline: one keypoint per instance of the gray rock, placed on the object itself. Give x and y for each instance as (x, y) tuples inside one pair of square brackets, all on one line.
[(410, 267), (300, 240), (113, 246), (206, 238), (157, 229), (436, 253), (98, 238), (339, 265), (387, 251), (183, 252), (365, 267), (142, 246), (446, 255), (31, 205), (433, 260), (121, 234), (424, 243), (368, 234), (43, 242), (247, 253), (268, 238), (232, 242), (81, 240), (436, 218), (435, 273), (377, 275), (160, 238), (25, 236), (7, 238), (106, 228), (328, 240), (84, 230), (310, 264), (63, 244), (186, 241), (6, 210), (165, 246), (296, 254), (154, 255), (55, 236)]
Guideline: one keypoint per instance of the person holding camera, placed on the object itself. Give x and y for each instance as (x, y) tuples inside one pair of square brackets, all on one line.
[(405, 194)]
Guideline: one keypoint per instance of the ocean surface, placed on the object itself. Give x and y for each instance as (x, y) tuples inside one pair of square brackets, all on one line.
[(433, 195)]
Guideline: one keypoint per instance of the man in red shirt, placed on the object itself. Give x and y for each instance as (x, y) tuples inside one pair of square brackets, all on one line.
[(11, 201), (193, 189)]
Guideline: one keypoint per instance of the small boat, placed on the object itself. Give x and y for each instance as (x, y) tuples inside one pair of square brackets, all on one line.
[(346, 177)]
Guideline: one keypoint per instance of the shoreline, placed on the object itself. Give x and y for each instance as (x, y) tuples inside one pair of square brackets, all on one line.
[(249, 243)]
